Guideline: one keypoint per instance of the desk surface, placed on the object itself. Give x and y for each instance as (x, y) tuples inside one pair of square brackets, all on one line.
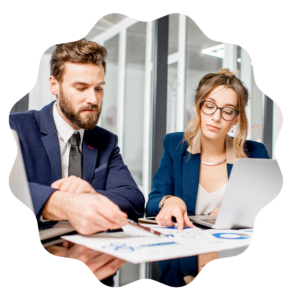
[(174, 272)]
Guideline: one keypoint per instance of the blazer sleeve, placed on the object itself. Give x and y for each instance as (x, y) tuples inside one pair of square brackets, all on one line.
[(39, 193), (121, 187), (163, 181), (264, 152)]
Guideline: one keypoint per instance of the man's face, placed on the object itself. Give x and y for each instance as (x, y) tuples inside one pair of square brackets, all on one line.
[(80, 94)]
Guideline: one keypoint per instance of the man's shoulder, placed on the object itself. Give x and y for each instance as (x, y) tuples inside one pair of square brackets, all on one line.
[(25, 114), (21, 118), (103, 134), (34, 115)]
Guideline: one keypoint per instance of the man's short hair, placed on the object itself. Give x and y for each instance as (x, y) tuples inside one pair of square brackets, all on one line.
[(80, 52)]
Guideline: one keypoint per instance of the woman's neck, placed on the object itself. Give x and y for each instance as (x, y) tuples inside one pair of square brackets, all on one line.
[(212, 148)]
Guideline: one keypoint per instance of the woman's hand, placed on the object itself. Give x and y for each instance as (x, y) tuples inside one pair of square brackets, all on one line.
[(173, 207), (215, 212)]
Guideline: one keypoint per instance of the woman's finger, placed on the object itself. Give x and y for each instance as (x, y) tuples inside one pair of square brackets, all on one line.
[(157, 219), (215, 212), (167, 220), (179, 219), (187, 220)]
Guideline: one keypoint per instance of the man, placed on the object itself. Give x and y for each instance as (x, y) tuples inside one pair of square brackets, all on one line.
[(74, 168)]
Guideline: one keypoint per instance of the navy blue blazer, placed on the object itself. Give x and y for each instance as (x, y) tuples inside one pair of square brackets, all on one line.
[(178, 175), (178, 172), (103, 166)]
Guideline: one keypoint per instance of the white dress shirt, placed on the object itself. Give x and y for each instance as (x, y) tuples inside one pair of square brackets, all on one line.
[(64, 132)]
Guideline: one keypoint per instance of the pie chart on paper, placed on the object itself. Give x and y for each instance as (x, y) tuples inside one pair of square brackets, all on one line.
[(231, 236)]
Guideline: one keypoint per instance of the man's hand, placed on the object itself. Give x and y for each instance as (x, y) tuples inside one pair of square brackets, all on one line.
[(74, 185), (101, 264), (173, 207), (87, 213), (215, 212), (90, 213)]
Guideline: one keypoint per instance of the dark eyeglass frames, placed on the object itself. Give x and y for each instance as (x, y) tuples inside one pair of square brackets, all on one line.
[(209, 108)]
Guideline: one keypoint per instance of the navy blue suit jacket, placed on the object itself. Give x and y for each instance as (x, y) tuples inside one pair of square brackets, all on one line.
[(178, 172), (178, 175), (103, 166)]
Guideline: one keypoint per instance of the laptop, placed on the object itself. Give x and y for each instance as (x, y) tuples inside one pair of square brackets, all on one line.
[(19, 186), (253, 183)]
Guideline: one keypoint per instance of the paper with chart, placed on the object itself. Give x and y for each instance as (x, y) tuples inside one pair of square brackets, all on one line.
[(136, 247)]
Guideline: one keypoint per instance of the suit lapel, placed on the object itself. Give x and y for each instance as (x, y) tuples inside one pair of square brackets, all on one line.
[(50, 140), (190, 180), (89, 154), (51, 145), (229, 168)]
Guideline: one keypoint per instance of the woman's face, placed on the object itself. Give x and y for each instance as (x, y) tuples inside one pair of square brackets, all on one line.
[(214, 126)]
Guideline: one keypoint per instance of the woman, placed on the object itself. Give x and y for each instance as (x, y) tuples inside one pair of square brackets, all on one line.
[(196, 165)]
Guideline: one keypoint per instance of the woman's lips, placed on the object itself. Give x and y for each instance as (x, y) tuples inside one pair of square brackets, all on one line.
[(212, 128)]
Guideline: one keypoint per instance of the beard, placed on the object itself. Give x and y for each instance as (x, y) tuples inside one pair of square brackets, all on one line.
[(74, 116)]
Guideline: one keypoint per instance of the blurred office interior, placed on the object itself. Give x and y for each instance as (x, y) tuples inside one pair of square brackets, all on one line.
[(146, 98)]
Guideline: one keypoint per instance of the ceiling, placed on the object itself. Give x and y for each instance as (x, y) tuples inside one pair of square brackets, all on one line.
[(101, 26), (136, 39)]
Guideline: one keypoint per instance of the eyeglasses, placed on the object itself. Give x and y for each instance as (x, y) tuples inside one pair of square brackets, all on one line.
[(209, 108)]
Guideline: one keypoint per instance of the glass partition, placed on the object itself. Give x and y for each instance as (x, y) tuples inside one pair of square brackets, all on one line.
[(257, 110), (134, 100), (198, 64), (110, 109), (173, 33), (172, 97)]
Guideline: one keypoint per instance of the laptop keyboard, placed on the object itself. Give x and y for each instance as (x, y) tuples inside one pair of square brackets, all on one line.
[(211, 221), (43, 226)]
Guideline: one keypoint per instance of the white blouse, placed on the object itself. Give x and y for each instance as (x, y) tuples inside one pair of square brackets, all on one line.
[(206, 202)]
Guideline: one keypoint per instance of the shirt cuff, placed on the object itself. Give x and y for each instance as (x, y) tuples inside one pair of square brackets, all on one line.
[(43, 220)]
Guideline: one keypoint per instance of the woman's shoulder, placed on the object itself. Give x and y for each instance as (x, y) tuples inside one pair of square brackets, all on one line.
[(175, 141), (255, 149)]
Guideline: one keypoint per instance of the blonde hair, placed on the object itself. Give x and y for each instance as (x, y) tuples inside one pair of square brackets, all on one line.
[(210, 81)]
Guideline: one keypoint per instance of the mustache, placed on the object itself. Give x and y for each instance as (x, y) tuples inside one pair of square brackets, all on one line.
[(90, 107)]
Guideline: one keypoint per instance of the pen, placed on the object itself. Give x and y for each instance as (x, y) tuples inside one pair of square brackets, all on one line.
[(145, 228)]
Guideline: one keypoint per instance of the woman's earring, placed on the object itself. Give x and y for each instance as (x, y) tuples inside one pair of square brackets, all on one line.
[(232, 129)]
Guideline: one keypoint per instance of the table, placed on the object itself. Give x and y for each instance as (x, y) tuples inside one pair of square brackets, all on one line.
[(175, 272)]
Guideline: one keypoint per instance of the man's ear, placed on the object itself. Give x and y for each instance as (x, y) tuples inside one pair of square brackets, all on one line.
[(54, 86)]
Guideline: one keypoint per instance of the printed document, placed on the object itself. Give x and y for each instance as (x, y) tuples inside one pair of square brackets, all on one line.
[(137, 246)]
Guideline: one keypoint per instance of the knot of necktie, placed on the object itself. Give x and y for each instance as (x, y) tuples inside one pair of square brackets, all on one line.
[(75, 139)]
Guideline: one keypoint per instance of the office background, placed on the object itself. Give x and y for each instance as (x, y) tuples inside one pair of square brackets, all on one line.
[(153, 70)]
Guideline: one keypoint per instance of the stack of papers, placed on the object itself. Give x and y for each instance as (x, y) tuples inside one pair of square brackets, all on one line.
[(136, 246)]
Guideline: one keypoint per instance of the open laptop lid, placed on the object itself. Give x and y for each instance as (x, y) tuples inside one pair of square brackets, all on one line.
[(18, 183), (18, 179), (253, 183)]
